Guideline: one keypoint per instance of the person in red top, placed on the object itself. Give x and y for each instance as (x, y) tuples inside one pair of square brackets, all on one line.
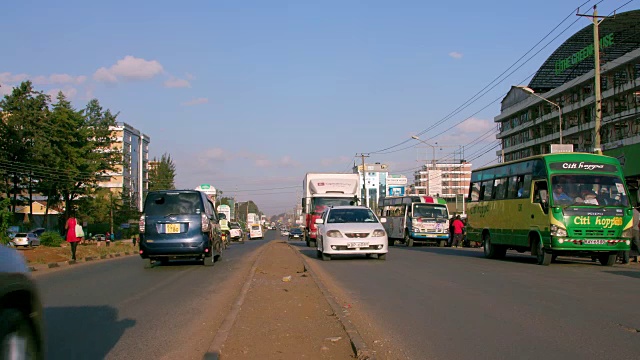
[(71, 238), (458, 227)]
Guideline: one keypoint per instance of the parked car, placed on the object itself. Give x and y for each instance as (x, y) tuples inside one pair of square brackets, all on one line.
[(21, 324), (295, 234), (350, 230), (178, 224), (26, 239)]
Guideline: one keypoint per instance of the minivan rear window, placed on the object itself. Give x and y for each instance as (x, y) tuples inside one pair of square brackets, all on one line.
[(172, 203), (255, 227)]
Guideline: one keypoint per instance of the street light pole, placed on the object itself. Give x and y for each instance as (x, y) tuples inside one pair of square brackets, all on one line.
[(433, 149), (531, 92)]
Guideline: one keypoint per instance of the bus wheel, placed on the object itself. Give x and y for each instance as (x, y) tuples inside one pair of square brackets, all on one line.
[(442, 243), (607, 259), (489, 251), (407, 239), (544, 258)]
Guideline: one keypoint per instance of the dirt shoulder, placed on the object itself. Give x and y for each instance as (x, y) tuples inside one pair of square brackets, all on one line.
[(285, 315), (47, 255)]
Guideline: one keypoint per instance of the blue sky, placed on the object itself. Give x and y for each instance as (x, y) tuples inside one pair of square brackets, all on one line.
[(250, 95)]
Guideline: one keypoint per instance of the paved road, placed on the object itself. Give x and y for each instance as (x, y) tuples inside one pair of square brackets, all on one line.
[(442, 303), (117, 309)]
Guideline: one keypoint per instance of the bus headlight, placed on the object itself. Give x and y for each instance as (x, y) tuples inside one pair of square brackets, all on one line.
[(627, 233), (378, 233), (334, 234), (558, 231)]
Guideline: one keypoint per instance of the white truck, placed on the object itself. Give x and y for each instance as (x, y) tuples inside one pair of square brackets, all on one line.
[(326, 189)]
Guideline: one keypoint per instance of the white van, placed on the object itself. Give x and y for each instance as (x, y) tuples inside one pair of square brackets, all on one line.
[(255, 232)]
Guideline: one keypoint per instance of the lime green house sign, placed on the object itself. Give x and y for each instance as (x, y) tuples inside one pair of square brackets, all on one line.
[(568, 62)]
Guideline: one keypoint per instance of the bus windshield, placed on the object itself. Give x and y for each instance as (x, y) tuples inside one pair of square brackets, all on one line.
[(429, 211), (597, 190)]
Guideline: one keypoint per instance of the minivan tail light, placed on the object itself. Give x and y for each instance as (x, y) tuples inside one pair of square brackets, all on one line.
[(141, 224), (205, 222)]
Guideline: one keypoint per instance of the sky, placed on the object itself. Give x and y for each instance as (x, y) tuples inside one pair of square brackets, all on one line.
[(248, 96)]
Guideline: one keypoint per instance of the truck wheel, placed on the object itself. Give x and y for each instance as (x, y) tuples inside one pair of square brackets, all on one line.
[(607, 259), (407, 239), (17, 332)]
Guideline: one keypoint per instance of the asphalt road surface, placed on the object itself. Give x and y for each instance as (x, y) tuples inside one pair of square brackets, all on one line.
[(443, 303), (116, 309)]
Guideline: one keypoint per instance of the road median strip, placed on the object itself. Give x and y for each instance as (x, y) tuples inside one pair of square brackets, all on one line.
[(52, 265)]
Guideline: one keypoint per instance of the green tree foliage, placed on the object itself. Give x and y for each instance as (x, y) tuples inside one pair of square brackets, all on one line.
[(5, 215), (162, 176), (51, 239)]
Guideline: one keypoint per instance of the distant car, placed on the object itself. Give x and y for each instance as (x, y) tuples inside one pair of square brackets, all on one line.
[(235, 231), (26, 239), (255, 232), (284, 232), (21, 324), (295, 234), (350, 230), (99, 237)]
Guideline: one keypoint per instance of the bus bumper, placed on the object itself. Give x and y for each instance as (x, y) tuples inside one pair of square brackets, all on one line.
[(589, 245), (429, 237)]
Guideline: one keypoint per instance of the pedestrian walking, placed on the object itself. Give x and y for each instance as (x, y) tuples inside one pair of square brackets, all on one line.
[(74, 234), (134, 240), (458, 229)]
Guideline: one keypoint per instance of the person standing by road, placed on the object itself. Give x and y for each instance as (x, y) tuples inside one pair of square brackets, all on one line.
[(458, 229), (72, 237)]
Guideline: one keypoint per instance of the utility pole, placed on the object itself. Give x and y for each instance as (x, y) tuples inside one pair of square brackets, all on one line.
[(365, 196), (596, 54)]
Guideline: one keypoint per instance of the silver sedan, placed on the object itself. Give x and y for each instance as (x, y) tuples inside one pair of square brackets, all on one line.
[(26, 240)]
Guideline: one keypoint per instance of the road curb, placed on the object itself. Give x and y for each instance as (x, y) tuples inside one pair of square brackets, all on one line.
[(41, 267), (357, 343), (215, 349)]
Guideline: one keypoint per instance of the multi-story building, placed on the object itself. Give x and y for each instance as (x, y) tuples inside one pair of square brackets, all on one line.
[(528, 125), (375, 182), (132, 175), (445, 180)]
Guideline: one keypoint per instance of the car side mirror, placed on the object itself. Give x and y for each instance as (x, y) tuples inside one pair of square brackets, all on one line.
[(383, 220), (319, 221)]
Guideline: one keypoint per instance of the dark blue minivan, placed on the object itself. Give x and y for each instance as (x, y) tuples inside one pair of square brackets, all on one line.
[(179, 224)]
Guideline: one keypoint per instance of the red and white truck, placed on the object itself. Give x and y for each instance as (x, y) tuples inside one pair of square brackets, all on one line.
[(326, 189)]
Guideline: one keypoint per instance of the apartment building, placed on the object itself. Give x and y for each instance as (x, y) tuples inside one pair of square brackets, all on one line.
[(132, 175), (445, 180)]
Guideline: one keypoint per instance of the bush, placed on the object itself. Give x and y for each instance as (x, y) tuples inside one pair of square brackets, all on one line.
[(51, 239)]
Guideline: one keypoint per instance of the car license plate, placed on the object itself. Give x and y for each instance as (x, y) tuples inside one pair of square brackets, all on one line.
[(172, 228), (357, 245), (296, 236), (595, 242)]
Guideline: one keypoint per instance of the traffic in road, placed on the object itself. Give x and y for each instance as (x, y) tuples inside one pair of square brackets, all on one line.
[(116, 309), (450, 303)]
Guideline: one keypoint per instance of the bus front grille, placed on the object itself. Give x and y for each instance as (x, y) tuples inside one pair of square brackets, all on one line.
[(593, 233)]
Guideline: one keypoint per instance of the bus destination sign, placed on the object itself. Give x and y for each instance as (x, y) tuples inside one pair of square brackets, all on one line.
[(582, 165)]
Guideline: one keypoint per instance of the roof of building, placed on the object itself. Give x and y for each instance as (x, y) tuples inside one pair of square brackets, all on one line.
[(619, 35)]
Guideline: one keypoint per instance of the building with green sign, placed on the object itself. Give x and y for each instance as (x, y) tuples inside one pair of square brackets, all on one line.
[(528, 125)]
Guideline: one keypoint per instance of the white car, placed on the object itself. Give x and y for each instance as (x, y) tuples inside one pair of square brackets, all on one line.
[(255, 232), (26, 239), (351, 230)]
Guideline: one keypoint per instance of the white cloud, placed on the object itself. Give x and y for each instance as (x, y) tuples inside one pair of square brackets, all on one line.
[(59, 79), (104, 75), (475, 125), (69, 92), (9, 78), (196, 101), (263, 163), (455, 55), (287, 161), (176, 83), (5, 89), (340, 161), (129, 68)]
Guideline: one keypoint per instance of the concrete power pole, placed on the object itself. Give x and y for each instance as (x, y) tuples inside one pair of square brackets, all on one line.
[(365, 196), (596, 55)]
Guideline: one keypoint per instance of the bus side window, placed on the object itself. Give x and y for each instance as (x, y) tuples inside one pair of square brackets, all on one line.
[(540, 186)]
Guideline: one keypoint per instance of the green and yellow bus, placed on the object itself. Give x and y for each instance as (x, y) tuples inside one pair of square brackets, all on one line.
[(551, 205)]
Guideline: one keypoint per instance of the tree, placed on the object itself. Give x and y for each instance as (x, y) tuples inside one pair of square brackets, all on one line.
[(162, 176), (23, 113)]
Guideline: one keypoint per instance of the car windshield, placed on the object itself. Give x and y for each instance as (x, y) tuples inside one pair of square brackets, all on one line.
[(430, 211), (234, 226), (598, 190), (296, 231), (164, 204), (351, 216), (255, 227)]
